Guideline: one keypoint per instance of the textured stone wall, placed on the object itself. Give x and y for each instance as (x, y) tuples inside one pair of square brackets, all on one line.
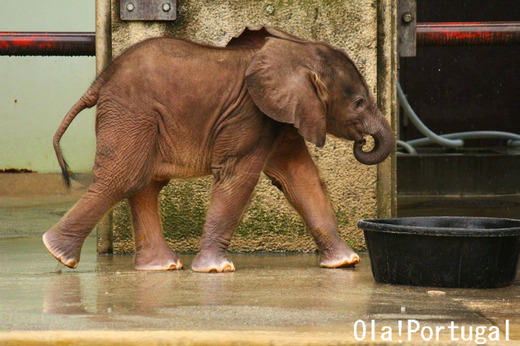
[(270, 224)]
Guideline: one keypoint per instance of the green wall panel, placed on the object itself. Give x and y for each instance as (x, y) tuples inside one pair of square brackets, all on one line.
[(37, 92)]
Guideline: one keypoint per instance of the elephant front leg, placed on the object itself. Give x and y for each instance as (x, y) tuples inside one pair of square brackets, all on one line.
[(292, 170), (151, 250), (232, 189)]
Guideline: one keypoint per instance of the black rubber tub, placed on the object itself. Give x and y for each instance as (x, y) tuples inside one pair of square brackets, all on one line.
[(468, 252)]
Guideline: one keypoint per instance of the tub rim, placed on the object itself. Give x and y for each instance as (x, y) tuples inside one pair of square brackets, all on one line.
[(389, 225)]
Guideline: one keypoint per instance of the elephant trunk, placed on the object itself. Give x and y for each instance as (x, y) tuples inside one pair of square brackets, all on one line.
[(383, 144)]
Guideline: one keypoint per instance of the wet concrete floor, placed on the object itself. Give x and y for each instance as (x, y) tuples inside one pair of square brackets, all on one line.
[(271, 298)]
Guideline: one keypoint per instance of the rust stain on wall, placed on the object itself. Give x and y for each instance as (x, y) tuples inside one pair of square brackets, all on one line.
[(17, 170)]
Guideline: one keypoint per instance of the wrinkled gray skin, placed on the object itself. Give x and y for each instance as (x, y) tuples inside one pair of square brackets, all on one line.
[(168, 108)]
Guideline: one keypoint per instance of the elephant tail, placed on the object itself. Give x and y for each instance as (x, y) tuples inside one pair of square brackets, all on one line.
[(88, 100)]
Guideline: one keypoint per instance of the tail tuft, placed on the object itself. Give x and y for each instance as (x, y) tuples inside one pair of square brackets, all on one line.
[(65, 173)]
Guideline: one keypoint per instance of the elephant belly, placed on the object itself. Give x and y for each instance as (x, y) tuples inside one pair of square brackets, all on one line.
[(180, 157), (165, 171)]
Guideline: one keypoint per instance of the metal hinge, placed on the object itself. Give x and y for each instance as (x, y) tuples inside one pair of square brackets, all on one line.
[(165, 10)]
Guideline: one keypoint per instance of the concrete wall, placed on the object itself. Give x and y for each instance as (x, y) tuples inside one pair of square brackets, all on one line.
[(37, 92), (270, 223)]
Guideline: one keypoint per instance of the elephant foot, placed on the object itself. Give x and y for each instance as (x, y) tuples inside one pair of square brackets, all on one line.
[(154, 259), (342, 256), (211, 262), (65, 249)]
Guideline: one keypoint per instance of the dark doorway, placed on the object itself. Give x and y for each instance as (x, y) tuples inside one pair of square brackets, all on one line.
[(456, 89)]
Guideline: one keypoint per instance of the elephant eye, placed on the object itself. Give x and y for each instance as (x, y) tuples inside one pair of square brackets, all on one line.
[(360, 103)]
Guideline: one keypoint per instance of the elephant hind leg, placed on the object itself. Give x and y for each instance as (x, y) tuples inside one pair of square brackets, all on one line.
[(151, 250), (65, 240), (123, 167)]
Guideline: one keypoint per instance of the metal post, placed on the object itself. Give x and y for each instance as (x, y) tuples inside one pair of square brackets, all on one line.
[(387, 56), (104, 230)]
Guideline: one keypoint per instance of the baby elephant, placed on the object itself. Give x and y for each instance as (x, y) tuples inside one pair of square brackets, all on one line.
[(168, 108)]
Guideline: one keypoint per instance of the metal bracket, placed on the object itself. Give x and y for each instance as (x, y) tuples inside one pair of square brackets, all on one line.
[(407, 27), (165, 10)]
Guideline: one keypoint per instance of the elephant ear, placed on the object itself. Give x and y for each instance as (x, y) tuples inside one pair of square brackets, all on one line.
[(284, 86), (254, 36)]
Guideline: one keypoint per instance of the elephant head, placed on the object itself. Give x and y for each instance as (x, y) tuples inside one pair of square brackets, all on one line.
[(318, 89)]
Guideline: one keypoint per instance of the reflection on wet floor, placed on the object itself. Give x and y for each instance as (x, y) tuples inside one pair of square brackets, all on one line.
[(268, 292)]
